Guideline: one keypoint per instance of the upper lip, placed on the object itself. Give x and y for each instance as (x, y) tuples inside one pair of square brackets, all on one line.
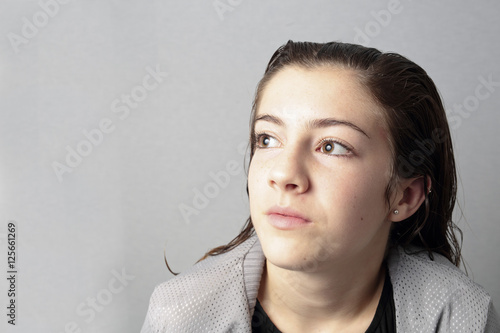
[(286, 211)]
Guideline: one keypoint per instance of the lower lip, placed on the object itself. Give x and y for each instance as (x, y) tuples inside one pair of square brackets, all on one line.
[(284, 222)]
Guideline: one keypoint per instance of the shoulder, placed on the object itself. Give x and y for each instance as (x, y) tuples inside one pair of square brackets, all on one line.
[(434, 295), (214, 294), (414, 267)]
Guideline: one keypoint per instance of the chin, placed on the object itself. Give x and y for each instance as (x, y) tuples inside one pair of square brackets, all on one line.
[(294, 263), (287, 263), (287, 253)]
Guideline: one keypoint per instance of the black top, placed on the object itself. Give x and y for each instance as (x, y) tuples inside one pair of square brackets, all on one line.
[(384, 320)]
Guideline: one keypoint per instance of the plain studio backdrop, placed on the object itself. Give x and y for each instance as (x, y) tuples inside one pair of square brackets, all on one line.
[(124, 125)]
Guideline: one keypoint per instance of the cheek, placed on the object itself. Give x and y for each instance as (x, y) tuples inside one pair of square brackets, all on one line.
[(368, 196), (256, 178), (358, 192)]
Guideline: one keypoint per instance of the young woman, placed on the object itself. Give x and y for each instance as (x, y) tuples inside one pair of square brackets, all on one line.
[(351, 185)]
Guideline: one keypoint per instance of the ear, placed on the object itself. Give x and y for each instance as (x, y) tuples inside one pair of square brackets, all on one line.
[(409, 198)]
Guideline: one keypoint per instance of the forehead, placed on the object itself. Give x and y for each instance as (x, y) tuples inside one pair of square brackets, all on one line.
[(325, 91)]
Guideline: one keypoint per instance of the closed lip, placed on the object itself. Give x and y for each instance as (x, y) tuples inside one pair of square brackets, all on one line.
[(286, 211)]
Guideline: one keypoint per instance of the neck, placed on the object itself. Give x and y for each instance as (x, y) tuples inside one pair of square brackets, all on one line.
[(337, 296)]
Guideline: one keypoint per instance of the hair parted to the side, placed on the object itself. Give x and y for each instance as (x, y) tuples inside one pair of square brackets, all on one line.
[(419, 136)]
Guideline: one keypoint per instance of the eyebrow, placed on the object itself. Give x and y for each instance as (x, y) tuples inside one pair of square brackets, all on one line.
[(313, 124)]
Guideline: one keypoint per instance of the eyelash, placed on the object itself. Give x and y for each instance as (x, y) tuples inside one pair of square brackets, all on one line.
[(259, 135), (350, 150)]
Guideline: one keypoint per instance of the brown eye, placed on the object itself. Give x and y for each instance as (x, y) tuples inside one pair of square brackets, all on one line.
[(334, 148), (266, 141), (327, 147)]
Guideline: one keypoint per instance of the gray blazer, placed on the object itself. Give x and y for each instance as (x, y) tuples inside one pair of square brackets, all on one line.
[(219, 294)]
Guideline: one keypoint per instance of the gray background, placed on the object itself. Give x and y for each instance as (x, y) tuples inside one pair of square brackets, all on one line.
[(119, 209)]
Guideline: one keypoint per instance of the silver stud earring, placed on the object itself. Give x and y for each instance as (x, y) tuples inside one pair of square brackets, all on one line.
[(396, 212)]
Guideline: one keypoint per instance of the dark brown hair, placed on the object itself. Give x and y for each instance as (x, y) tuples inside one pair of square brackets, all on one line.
[(419, 136)]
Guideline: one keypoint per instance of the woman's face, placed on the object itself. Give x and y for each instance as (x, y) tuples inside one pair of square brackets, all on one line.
[(318, 176)]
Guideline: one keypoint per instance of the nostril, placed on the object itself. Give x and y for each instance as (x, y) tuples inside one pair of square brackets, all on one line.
[(289, 173)]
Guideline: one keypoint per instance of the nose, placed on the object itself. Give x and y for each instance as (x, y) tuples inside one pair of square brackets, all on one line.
[(289, 171)]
